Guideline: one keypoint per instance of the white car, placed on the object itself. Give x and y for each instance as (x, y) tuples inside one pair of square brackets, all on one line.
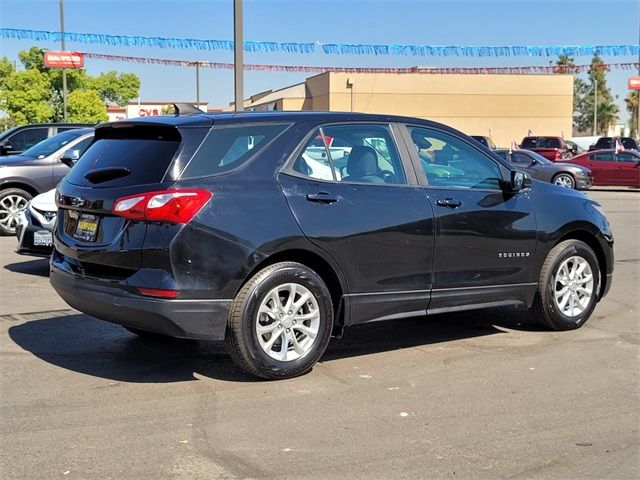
[(35, 226)]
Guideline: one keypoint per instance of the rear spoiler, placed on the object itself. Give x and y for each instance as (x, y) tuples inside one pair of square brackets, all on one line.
[(185, 109)]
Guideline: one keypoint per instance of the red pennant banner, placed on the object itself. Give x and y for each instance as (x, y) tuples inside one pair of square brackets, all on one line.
[(397, 70)]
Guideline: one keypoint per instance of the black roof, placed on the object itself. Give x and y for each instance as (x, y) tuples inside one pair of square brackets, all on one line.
[(221, 118)]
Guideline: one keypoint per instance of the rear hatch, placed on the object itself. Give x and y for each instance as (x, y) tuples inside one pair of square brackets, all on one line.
[(124, 159)]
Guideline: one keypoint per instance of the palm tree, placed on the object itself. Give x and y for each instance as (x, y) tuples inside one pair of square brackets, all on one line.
[(607, 115), (632, 108)]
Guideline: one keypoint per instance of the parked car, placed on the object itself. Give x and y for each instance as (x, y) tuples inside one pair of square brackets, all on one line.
[(486, 141), (18, 139), (551, 148), (563, 174), (610, 168), (35, 226), (609, 143), (211, 226), (37, 170), (573, 147)]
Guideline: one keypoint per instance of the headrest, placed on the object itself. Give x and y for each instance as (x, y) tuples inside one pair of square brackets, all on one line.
[(362, 161)]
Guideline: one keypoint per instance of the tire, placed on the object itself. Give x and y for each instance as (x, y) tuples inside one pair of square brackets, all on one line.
[(564, 180), (573, 266), (263, 303), (12, 202)]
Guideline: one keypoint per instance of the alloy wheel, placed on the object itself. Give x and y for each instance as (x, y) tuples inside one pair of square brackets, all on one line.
[(573, 286), (10, 208), (564, 180), (287, 322)]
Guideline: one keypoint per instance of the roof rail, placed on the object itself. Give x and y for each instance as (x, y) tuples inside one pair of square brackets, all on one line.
[(185, 109)]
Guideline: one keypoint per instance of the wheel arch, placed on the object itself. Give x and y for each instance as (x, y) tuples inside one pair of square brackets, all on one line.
[(30, 189), (591, 240), (331, 276)]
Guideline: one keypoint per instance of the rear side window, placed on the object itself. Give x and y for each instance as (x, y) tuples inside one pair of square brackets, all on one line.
[(27, 138), (602, 157), (142, 152), (226, 148)]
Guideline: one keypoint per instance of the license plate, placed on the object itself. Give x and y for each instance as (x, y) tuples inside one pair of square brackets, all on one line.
[(42, 238), (87, 228)]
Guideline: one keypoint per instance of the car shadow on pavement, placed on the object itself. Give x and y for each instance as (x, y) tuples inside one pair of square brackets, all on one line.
[(83, 344), (612, 189), (38, 267)]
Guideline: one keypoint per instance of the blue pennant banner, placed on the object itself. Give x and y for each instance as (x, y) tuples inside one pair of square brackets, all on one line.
[(326, 48), (157, 42)]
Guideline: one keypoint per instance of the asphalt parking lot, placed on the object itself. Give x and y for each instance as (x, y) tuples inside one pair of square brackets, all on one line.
[(480, 395)]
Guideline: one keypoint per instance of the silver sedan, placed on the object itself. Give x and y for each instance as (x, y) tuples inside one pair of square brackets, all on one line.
[(563, 174)]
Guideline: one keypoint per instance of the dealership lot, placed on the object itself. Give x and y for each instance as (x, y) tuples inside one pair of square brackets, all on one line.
[(475, 395)]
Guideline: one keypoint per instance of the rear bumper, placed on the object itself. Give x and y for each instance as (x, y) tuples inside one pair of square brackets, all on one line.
[(205, 319)]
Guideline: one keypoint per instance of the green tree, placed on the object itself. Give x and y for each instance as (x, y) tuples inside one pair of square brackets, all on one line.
[(566, 65), (6, 69), (25, 96), (86, 106), (607, 109), (116, 88), (109, 86), (632, 107), (583, 97)]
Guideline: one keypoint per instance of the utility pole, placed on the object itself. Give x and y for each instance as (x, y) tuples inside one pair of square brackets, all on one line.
[(64, 72), (198, 84), (595, 107), (238, 62)]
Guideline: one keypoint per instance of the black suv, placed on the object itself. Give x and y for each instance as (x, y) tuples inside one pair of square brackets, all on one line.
[(18, 139), (246, 227), (609, 143)]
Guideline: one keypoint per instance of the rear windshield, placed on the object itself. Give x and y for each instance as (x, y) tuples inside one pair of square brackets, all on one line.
[(629, 143), (145, 152), (226, 148), (540, 142)]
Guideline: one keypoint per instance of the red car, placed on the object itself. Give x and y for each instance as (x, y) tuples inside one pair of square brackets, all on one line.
[(610, 168)]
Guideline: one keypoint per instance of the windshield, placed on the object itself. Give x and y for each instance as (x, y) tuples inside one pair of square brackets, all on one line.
[(53, 144), (539, 158)]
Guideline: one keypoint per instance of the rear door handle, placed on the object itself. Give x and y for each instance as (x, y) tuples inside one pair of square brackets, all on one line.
[(449, 202), (322, 197)]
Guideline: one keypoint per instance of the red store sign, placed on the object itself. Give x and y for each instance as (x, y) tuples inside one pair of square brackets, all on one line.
[(64, 59), (633, 83)]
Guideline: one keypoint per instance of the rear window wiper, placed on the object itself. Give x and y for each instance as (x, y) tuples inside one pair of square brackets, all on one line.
[(100, 175)]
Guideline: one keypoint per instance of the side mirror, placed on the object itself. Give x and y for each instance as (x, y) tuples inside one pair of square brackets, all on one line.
[(519, 181), (70, 157)]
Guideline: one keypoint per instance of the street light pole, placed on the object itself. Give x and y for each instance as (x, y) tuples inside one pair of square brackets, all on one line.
[(238, 62), (595, 107), (198, 84), (64, 72)]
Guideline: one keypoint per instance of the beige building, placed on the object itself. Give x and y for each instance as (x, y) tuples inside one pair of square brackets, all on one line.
[(505, 107)]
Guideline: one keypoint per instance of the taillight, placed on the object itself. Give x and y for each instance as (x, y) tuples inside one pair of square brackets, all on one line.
[(175, 206), (156, 292), (558, 155)]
